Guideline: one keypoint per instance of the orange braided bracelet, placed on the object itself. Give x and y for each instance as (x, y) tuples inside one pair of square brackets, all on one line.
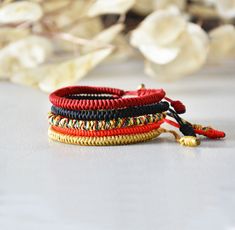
[(111, 132)]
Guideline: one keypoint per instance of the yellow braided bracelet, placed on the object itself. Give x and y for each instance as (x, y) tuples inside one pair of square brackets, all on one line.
[(106, 140)]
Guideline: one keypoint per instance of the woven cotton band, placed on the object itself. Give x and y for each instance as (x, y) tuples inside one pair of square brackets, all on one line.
[(109, 140), (89, 125), (111, 114), (87, 115), (139, 97)]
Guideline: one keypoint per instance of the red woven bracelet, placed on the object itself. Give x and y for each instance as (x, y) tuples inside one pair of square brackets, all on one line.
[(140, 97)]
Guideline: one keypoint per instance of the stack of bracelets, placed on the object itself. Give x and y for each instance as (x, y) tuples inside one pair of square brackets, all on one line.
[(95, 116)]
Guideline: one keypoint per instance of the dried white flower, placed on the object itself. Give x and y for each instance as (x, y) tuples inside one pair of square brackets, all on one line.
[(85, 29), (72, 12), (50, 6), (107, 35), (11, 34), (90, 38), (69, 72), (53, 76), (123, 50), (172, 46), (25, 53), (164, 4), (104, 38), (222, 43), (156, 35), (21, 11), (226, 8), (145, 7), (100, 7)]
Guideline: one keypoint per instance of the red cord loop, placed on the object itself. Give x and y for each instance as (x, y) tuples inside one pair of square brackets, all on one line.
[(140, 97)]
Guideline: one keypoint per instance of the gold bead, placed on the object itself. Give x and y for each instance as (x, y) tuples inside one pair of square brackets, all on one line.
[(141, 86), (190, 141)]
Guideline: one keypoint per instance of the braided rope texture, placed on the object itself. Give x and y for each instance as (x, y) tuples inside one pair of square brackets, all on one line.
[(105, 140), (111, 114), (112, 132), (64, 122), (140, 97), (105, 116), (97, 116)]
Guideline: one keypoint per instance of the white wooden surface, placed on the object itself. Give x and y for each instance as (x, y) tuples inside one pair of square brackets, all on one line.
[(155, 185)]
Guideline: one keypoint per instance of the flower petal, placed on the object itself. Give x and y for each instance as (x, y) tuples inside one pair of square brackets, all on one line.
[(100, 7), (226, 8), (25, 53), (69, 72), (10, 34), (159, 55), (20, 11), (192, 56), (159, 28), (164, 4), (222, 42), (104, 38), (143, 7), (107, 35)]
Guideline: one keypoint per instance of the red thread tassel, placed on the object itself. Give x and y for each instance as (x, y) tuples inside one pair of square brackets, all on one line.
[(210, 133), (178, 106), (205, 131)]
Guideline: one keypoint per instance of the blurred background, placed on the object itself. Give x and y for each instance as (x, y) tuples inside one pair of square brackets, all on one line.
[(47, 44)]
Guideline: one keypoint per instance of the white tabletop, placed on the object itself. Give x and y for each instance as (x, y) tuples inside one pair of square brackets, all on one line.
[(154, 185)]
